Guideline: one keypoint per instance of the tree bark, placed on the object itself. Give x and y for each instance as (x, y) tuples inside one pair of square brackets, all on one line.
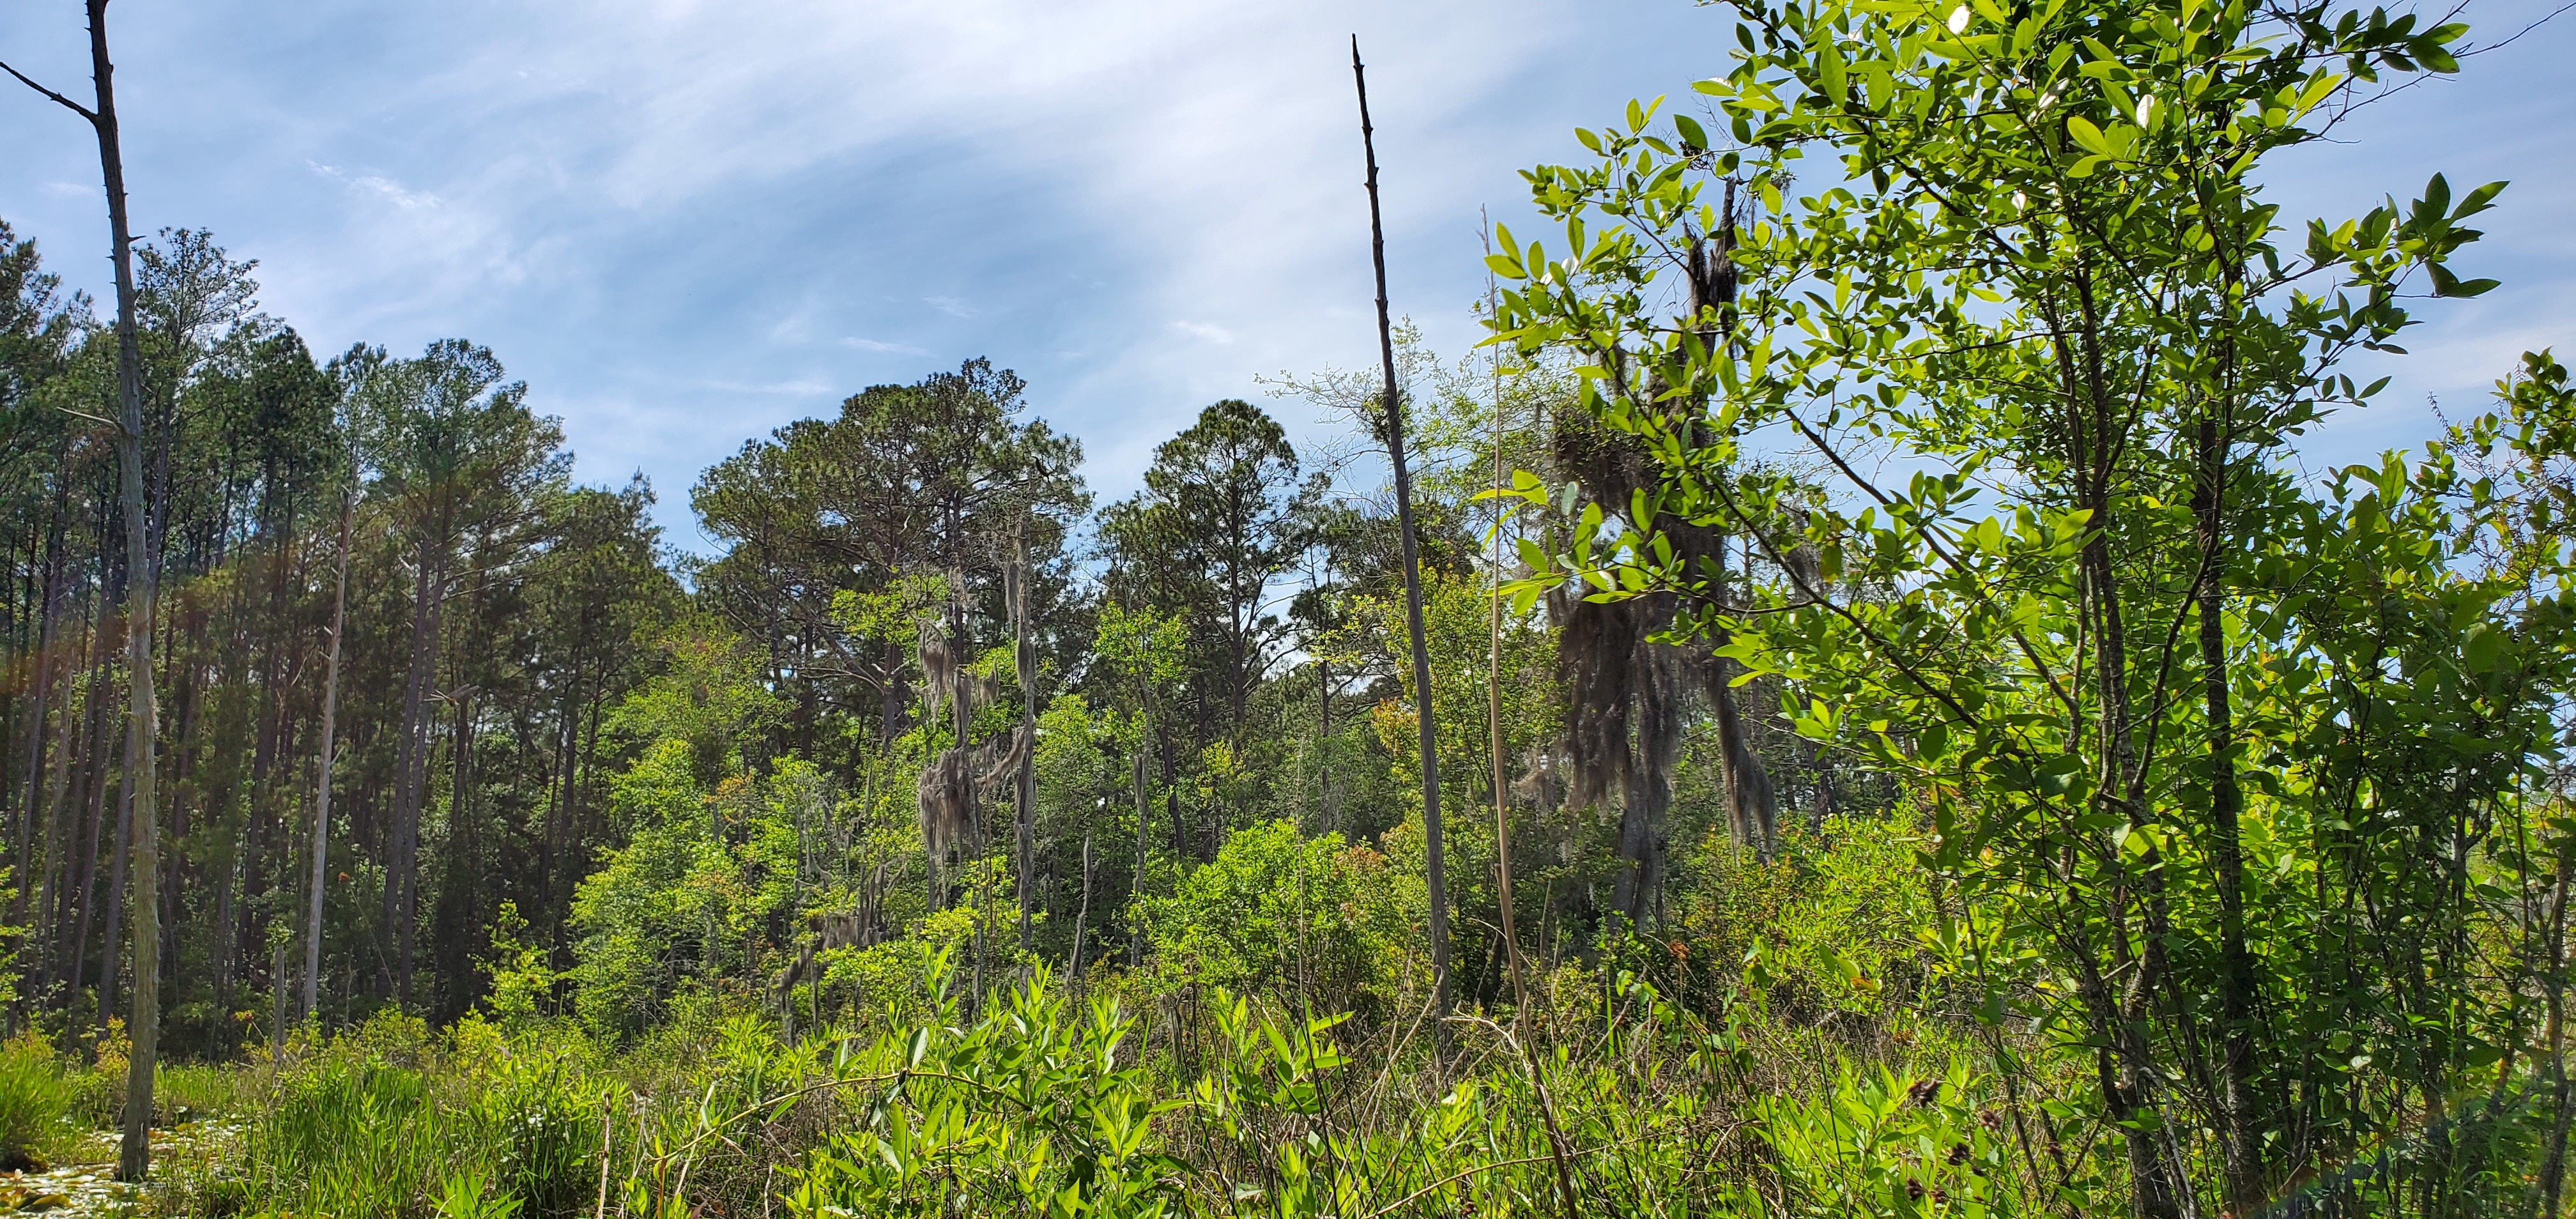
[(1429, 734)]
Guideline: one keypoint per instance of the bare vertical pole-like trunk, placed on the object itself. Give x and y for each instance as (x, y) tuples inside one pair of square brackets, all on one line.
[(322, 765), (1026, 660), (28, 861), (1429, 734), (134, 1158), (1082, 916)]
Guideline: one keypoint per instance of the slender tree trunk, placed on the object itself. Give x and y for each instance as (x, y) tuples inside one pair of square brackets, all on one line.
[(85, 890), (1324, 807), (1082, 915), (42, 674), (2236, 984), (134, 1158), (403, 874), (1144, 817), (57, 852), (458, 891), (2553, 1164), (115, 904), (1026, 789), (1429, 734), (322, 766)]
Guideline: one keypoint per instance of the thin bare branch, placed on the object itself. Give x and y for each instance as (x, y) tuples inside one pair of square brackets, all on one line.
[(85, 112)]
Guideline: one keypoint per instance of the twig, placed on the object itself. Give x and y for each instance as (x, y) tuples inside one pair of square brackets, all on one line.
[(2553, 15)]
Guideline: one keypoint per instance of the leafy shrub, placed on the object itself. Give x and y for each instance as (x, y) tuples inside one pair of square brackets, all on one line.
[(98, 1090), (1831, 925), (1276, 910), (1882, 1147), (1025, 1112)]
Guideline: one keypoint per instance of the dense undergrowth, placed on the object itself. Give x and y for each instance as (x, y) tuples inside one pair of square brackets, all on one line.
[(1823, 1070)]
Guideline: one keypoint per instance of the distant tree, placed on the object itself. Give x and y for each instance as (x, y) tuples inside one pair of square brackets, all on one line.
[(461, 469)]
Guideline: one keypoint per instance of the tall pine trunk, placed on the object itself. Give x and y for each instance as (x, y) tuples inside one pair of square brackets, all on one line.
[(402, 881)]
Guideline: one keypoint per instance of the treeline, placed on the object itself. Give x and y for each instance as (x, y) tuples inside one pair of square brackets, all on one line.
[(832, 705), (492, 614)]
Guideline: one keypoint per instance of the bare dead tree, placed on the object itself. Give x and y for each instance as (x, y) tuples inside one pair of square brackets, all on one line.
[(134, 1157), (1394, 404)]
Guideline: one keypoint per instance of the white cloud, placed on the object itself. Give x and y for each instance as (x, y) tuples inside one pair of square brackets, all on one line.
[(949, 305), (900, 349), (1209, 331), (381, 187)]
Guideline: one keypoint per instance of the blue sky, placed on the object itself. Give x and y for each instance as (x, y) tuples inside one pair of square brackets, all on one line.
[(685, 222)]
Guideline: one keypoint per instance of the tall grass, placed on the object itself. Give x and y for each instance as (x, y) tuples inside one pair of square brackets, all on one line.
[(35, 1094)]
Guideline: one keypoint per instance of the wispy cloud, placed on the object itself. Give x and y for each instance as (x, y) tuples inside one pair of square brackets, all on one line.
[(899, 349), (1208, 331), (377, 185), (949, 305)]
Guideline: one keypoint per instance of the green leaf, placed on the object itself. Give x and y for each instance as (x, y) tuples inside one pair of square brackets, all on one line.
[(2090, 136)]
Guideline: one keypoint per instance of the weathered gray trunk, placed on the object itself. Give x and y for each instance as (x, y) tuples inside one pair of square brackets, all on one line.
[(322, 766), (134, 1157)]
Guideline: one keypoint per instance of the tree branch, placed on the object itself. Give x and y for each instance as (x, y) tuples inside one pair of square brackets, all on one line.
[(65, 102)]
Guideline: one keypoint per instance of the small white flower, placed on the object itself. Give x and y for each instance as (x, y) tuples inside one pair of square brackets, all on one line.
[(2146, 107), (1959, 19)]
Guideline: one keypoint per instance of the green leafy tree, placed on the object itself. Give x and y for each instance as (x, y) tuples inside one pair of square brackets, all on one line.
[(2041, 268)]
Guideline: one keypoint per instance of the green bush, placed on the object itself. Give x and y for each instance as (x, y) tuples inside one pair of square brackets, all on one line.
[(1278, 911), (1881, 1147)]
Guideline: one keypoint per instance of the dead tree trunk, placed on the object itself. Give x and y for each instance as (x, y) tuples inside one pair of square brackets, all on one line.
[(134, 1159), (1429, 734)]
